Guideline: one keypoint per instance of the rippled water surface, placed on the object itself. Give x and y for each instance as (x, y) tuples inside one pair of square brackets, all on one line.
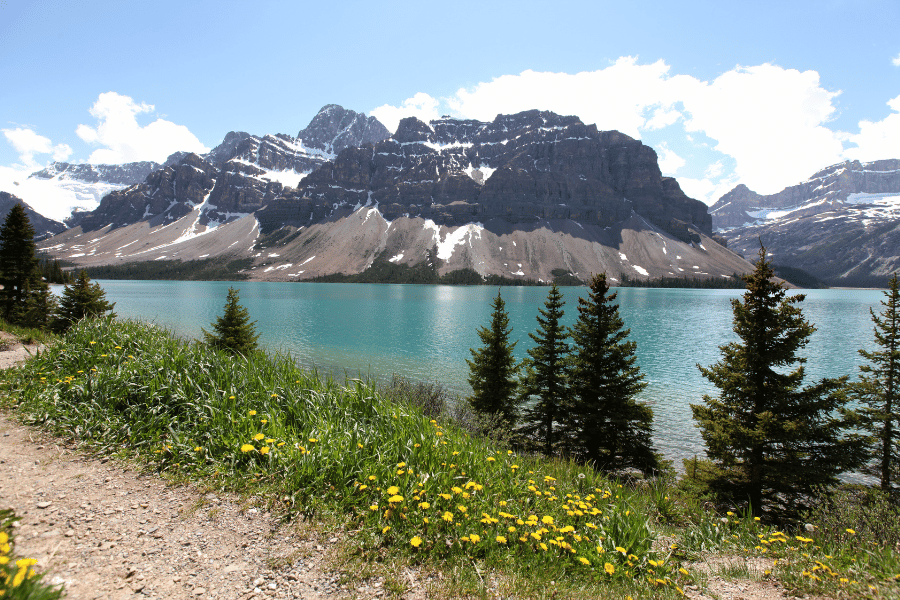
[(425, 332)]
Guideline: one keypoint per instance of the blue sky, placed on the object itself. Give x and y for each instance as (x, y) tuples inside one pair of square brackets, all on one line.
[(762, 93)]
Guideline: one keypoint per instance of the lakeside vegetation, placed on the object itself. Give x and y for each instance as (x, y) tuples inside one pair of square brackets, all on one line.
[(403, 472)]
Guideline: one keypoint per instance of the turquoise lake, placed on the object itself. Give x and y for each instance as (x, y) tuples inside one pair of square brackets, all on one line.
[(425, 332)]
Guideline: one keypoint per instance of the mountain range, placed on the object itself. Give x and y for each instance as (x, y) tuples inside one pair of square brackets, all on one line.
[(527, 196), (841, 225)]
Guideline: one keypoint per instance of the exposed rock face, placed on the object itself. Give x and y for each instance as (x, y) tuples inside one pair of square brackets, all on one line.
[(825, 190), (842, 225), (43, 227), (335, 128), (522, 168), (128, 173)]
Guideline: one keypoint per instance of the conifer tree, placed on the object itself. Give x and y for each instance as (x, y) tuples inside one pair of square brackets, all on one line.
[(773, 440), (233, 331), (18, 263), (80, 300), (40, 307), (607, 426), (546, 378), (878, 391), (493, 368)]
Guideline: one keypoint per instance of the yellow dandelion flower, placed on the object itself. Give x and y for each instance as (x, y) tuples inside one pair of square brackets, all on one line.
[(372, 478), (445, 496), (547, 520), (475, 538), (583, 560), (609, 568), (251, 413), (258, 437), (456, 490), (490, 459), (500, 539), (395, 499), (850, 531), (313, 440), (264, 450), (263, 421), (247, 447), (447, 516), (543, 546), (416, 542), (622, 550), (358, 445), (393, 490), (198, 449), (424, 505), (386, 529), (373, 508)]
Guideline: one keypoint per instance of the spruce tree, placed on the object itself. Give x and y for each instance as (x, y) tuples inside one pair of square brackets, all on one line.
[(233, 331), (545, 383), (878, 390), (607, 426), (18, 263), (773, 440), (40, 307), (493, 368), (80, 300)]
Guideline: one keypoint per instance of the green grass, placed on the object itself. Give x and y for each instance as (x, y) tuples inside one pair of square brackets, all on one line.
[(27, 335), (406, 488), (18, 579)]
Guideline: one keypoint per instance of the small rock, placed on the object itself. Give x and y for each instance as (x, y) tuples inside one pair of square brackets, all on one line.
[(273, 586), (199, 591), (45, 504)]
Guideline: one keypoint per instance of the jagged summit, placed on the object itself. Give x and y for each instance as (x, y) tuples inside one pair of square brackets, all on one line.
[(335, 128)]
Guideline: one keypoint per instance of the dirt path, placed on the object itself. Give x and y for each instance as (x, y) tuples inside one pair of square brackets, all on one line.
[(105, 531)]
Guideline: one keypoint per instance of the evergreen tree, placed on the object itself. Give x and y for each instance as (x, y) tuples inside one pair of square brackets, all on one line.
[(546, 379), (492, 369), (18, 263), (773, 440), (80, 300), (607, 426), (233, 331), (40, 307), (877, 391)]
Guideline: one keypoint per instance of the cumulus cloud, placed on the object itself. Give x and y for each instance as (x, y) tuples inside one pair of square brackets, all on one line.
[(896, 61), (123, 139), (422, 106), (669, 162), (879, 139), (771, 120), (28, 144)]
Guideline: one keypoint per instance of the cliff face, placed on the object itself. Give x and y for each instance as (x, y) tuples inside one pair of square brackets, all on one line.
[(522, 168)]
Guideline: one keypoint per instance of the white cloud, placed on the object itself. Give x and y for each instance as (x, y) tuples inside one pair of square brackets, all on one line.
[(669, 162), (770, 120), (879, 139), (125, 140), (422, 106), (714, 170), (706, 190), (28, 143), (52, 198), (896, 61)]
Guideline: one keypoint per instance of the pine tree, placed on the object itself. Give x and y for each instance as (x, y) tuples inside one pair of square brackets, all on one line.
[(773, 440), (878, 391), (233, 331), (18, 263), (546, 378), (607, 426), (40, 307), (492, 369), (80, 300)]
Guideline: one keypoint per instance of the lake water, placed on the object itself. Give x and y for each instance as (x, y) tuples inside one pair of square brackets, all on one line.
[(425, 332)]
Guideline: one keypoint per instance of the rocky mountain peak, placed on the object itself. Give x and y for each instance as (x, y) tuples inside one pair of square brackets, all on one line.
[(412, 129), (43, 227), (335, 128)]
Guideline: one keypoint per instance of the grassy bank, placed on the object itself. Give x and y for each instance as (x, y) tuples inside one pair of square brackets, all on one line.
[(410, 489)]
